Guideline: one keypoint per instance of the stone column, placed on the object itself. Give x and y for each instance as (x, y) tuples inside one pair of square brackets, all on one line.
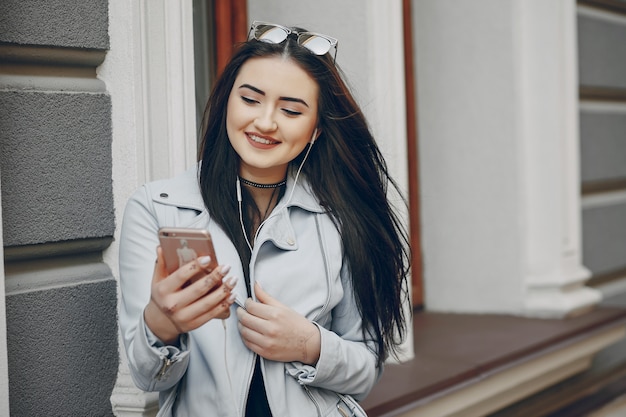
[(57, 207)]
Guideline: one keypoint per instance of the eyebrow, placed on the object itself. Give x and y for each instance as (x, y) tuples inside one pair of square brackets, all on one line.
[(256, 90)]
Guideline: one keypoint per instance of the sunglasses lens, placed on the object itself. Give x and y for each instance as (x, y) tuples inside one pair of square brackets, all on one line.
[(271, 34), (314, 43)]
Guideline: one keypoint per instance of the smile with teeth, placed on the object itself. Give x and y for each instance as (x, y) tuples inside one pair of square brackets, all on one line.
[(261, 140)]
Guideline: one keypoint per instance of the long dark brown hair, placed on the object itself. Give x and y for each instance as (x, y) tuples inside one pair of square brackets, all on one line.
[(346, 172)]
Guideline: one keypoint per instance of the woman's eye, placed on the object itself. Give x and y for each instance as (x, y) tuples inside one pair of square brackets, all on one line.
[(290, 112), (248, 100)]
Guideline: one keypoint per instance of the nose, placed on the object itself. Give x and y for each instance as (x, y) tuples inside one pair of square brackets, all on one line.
[(265, 122)]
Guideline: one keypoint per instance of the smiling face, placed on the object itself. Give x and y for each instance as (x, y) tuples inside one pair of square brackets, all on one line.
[(271, 116)]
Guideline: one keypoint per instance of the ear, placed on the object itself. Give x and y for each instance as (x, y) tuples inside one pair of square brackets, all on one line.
[(316, 133)]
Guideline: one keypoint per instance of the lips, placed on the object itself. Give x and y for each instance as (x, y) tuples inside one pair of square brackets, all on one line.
[(261, 142)]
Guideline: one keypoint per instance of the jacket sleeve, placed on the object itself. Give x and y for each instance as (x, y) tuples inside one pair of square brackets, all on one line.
[(347, 362), (153, 365)]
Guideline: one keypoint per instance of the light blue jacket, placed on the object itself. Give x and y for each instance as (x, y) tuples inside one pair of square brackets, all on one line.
[(297, 258)]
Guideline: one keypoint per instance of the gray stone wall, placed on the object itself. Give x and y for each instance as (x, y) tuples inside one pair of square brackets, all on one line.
[(57, 205)]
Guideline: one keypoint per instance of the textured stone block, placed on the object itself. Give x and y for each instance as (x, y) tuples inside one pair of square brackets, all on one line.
[(55, 160), (63, 23), (62, 350)]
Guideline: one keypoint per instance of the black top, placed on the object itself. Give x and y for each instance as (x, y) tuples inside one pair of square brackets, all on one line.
[(257, 405)]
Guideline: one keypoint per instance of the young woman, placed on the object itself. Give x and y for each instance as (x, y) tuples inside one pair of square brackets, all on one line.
[(293, 190)]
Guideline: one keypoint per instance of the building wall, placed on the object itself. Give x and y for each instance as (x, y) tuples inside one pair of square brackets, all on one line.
[(57, 205)]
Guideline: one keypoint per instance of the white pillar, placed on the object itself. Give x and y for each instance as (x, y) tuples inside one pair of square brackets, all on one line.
[(149, 73), (498, 144), (554, 274), (4, 367)]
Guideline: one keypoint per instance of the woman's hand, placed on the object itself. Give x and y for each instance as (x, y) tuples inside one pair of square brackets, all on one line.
[(177, 308), (276, 332)]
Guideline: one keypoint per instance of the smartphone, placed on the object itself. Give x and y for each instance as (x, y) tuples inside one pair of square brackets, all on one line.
[(181, 246)]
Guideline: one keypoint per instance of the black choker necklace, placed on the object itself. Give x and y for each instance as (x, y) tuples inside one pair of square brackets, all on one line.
[(257, 185)]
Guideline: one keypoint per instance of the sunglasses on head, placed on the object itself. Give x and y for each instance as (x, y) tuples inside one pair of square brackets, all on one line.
[(272, 33)]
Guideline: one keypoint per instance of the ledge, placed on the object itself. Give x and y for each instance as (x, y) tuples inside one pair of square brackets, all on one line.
[(37, 55), (463, 363), (56, 249)]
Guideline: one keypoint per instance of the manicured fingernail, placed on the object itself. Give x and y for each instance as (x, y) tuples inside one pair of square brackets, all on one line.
[(224, 269), (230, 281), (204, 260), (231, 298)]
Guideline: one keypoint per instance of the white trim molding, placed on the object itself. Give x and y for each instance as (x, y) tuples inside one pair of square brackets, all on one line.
[(149, 74), (167, 74), (127, 400), (4, 367)]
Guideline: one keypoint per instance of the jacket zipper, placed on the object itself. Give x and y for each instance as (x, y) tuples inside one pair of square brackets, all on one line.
[(252, 261), (342, 411), (320, 240), (166, 365), (310, 394), (246, 392)]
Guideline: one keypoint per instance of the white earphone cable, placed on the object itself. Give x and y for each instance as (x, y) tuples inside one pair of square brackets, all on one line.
[(276, 211), (230, 383)]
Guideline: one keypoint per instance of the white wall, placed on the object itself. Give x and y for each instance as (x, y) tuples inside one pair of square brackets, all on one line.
[(468, 152)]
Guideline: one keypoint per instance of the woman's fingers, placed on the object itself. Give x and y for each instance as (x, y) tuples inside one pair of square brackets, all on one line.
[(205, 284), (214, 304), (187, 298), (277, 332), (191, 271), (160, 273), (221, 310)]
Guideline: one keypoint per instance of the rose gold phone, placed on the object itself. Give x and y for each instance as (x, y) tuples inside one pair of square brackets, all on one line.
[(181, 246)]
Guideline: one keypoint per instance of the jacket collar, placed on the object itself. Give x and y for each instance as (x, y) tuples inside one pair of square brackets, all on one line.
[(184, 191)]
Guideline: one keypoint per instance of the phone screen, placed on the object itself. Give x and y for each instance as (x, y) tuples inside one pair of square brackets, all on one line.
[(181, 246)]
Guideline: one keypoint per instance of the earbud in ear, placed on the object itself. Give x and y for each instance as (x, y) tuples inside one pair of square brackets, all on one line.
[(313, 137)]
